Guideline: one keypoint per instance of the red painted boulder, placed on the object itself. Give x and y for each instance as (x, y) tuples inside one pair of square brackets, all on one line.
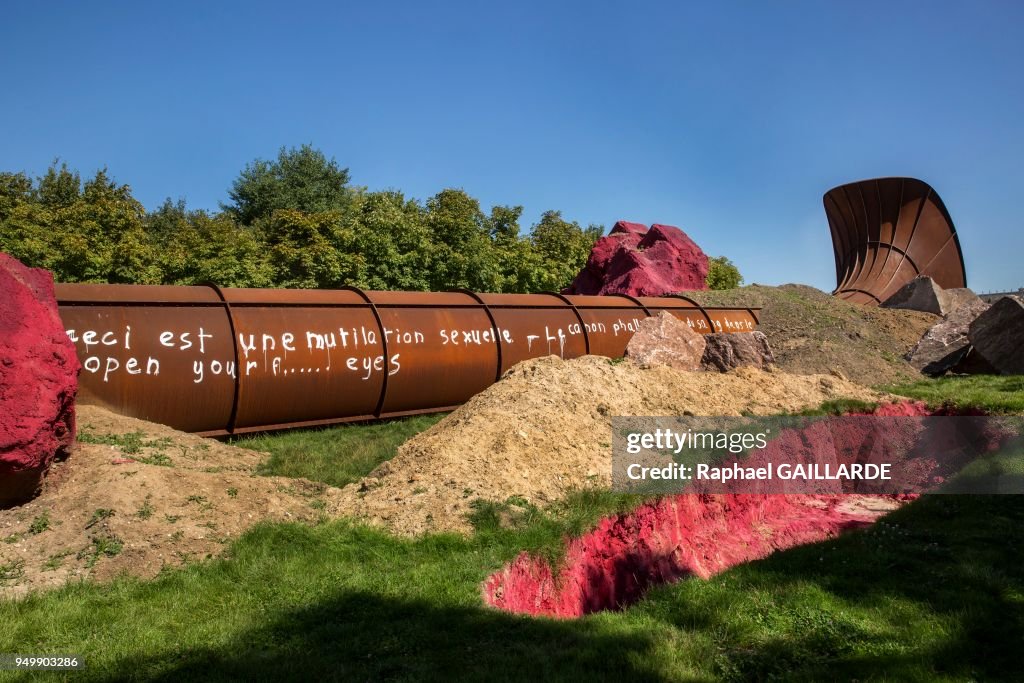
[(640, 262), (38, 380)]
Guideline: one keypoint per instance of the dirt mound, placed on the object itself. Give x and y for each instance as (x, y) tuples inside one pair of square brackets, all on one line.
[(135, 497), (813, 332), (544, 429)]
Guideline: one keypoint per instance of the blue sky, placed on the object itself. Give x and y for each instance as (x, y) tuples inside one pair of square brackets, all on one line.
[(729, 120)]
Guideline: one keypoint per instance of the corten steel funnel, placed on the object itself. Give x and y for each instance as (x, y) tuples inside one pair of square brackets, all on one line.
[(886, 232), (228, 361)]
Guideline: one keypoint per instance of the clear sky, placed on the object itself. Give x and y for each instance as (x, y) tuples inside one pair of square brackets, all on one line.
[(727, 119)]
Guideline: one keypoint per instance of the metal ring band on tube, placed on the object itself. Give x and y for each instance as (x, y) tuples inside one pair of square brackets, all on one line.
[(234, 347), (703, 312), (635, 301), (494, 326), (383, 346), (583, 325)]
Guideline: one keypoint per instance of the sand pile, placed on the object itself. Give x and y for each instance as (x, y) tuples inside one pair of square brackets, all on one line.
[(136, 496), (545, 429)]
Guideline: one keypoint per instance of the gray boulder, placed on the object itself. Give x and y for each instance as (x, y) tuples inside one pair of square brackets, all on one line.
[(723, 352), (946, 343), (923, 294), (666, 340), (998, 335)]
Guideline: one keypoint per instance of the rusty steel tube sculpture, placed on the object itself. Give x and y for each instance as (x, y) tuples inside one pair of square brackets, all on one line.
[(228, 361), (886, 232)]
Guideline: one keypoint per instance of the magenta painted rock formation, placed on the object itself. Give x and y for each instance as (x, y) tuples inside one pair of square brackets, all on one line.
[(636, 261), (38, 380), (666, 340)]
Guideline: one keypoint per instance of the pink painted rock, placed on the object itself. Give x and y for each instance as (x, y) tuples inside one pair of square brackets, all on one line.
[(38, 380), (666, 340), (725, 351), (638, 262)]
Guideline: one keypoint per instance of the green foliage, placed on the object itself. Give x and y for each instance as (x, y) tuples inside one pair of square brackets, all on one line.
[(300, 179), (40, 524), (723, 274), (294, 221)]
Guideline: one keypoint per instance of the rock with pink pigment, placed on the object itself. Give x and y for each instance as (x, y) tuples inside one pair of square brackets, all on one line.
[(666, 340), (639, 262), (38, 380)]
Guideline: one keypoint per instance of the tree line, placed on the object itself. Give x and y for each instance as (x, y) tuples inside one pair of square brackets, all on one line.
[(295, 221)]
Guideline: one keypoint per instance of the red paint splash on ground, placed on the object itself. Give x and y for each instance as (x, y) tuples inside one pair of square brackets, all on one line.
[(680, 536), (673, 538)]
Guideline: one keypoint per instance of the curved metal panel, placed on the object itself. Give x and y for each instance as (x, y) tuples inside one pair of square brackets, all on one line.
[(887, 231)]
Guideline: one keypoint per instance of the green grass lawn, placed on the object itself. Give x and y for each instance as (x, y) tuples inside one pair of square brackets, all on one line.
[(993, 393), (335, 455), (934, 592), (937, 592)]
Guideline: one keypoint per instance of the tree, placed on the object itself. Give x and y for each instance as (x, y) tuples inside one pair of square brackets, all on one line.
[(166, 223), (300, 179), (59, 186), (562, 248), (462, 253), (311, 250), (91, 232), (208, 248), (394, 242), (723, 274), (15, 189)]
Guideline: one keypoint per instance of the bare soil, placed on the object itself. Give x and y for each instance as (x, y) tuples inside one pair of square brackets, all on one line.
[(813, 332), (545, 429), (157, 498)]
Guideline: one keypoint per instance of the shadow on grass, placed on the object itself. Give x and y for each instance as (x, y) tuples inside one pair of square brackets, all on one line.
[(941, 583), (364, 636)]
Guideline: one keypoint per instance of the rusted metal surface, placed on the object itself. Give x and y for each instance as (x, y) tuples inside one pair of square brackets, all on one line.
[(228, 361), (886, 232)]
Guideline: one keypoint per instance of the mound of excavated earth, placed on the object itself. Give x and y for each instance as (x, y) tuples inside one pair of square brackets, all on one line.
[(545, 429), (813, 332), (134, 497)]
